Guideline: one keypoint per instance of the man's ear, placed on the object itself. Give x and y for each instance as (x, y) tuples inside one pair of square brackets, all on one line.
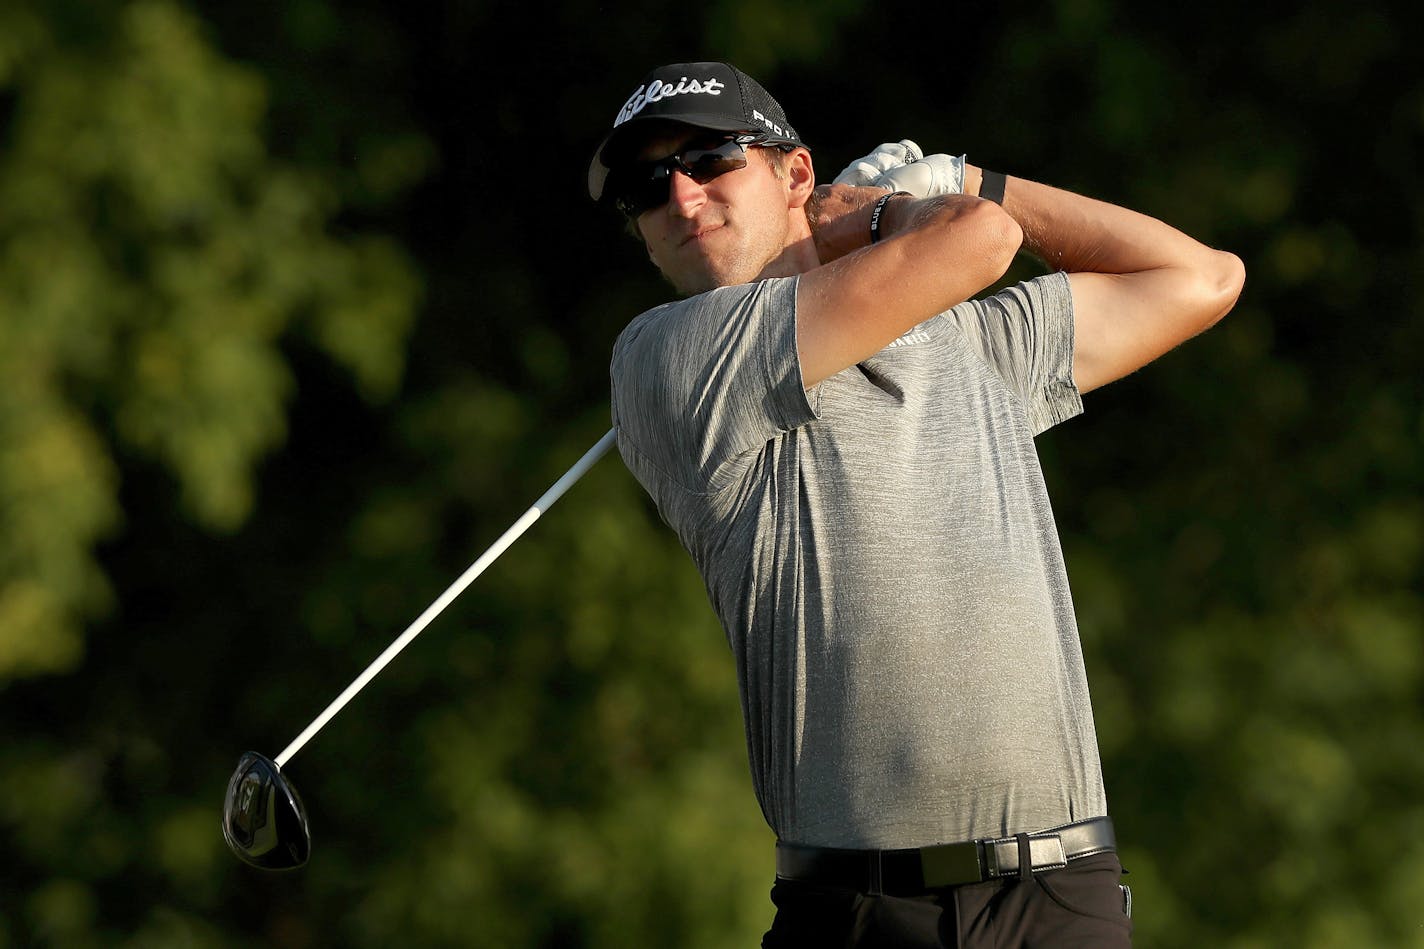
[(800, 177)]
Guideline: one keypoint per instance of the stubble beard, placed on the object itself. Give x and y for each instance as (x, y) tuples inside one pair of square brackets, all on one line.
[(741, 264)]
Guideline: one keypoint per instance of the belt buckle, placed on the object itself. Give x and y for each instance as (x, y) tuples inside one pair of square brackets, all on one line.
[(1001, 857), (951, 865)]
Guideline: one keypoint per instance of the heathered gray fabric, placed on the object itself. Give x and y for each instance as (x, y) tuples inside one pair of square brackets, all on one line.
[(882, 556)]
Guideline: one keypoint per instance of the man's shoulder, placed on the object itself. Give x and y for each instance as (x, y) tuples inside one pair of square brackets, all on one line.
[(639, 323)]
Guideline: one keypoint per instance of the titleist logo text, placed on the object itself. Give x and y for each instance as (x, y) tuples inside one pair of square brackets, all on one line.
[(658, 90)]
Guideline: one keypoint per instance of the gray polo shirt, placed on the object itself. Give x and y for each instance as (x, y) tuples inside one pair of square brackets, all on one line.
[(882, 556)]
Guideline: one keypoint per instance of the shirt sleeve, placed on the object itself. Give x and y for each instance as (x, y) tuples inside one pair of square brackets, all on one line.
[(1025, 333), (701, 385)]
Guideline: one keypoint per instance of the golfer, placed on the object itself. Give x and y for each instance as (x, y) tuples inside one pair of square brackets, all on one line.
[(842, 438)]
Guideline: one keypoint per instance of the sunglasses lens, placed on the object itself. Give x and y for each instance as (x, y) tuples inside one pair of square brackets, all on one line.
[(704, 164), (640, 192), (645, 186)]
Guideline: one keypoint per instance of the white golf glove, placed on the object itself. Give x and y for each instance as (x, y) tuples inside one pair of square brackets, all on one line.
[(862, 172), (930, 176), (901, 166)]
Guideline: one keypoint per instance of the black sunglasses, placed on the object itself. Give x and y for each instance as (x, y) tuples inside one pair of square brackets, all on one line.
[(643, 186)]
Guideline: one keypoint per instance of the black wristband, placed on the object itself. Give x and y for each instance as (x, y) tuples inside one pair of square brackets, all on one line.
[(878, 210), (991, 186)]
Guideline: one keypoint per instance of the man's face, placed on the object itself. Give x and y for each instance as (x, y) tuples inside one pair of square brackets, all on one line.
[(717, 234)]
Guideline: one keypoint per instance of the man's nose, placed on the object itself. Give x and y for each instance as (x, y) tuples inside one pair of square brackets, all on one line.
[(685, 196)]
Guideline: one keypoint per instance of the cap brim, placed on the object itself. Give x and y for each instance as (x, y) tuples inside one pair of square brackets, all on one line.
[(598, 170)]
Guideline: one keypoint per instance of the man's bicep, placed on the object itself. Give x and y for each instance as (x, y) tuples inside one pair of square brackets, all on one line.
[(1124, 321)]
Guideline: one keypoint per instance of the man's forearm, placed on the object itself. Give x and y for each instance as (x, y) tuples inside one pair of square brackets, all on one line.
[(1140, 287), (1077, 234)]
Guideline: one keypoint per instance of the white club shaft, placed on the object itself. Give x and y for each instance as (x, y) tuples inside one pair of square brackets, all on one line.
[(453, 591)]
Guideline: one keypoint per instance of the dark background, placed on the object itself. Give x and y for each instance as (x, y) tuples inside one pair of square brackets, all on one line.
[(302, 303)]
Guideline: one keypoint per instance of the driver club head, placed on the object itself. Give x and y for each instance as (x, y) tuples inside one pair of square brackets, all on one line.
[(264, 821)]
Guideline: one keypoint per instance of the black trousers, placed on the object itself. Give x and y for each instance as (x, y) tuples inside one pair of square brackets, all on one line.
[(1079, 907)]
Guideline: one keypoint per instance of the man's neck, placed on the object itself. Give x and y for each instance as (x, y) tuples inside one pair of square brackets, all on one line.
[(798, 256)]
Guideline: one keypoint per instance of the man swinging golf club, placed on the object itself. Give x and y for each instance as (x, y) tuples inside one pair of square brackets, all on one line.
[(843, 441)]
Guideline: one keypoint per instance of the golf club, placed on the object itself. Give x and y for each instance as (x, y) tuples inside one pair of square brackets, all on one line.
[(264, 820)]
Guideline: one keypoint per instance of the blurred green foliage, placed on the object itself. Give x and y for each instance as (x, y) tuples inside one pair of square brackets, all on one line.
[(302, 303), (152, 257)]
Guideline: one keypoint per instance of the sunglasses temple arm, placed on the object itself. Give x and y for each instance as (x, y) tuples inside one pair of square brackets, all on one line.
[(454, 590)]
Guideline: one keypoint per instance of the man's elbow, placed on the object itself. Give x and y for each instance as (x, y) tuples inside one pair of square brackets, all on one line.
[(1003, 237), (1219, 286)]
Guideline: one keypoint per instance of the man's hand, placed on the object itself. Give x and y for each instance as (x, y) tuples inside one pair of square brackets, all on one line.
[(902, 166), (928, 177), (863, 172)]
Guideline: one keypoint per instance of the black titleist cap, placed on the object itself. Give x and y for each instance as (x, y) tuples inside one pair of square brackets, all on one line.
[(708, 95)]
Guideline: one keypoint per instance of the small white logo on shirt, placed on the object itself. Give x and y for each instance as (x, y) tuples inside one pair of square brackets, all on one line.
[(658, 90), (910, 338)]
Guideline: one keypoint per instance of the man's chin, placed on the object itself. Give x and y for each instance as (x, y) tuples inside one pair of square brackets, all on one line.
[(713, 273)]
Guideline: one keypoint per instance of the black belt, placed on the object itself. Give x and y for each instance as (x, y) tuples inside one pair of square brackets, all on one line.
[(903, 872)]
